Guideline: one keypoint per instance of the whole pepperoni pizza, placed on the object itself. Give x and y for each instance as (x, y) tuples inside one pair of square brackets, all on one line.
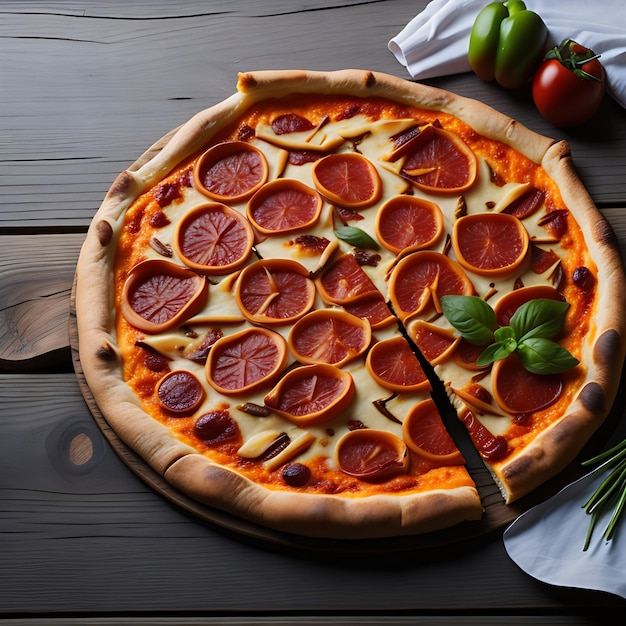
[(267, 299)]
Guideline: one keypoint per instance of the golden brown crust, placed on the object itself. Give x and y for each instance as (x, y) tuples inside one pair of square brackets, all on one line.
[(557, 446), (330, 516), (337, 516)]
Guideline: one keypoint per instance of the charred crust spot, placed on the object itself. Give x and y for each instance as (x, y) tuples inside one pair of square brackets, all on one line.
[(519, 468), (563, 150), (105, 352), (605, 234), (104, 231), (121, 186), (246, 81), (606, 348), (370, 79), (592, 397)]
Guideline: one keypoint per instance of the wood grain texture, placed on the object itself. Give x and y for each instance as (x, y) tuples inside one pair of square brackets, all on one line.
[(95, 539), (37, 274), (85, 89), (93, 86)]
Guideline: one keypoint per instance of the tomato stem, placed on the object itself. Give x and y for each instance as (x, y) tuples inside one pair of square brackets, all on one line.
[(573, 56)]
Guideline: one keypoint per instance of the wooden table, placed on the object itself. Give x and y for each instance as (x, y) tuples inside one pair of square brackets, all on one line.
[(85, 88)]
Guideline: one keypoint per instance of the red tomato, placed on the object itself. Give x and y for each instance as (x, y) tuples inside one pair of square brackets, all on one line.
[(562, 93)]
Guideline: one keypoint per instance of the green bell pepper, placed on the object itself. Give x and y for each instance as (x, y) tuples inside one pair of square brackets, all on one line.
[(507, 42)]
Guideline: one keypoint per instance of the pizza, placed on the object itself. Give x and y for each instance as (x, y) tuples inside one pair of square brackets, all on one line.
[(268, 300)]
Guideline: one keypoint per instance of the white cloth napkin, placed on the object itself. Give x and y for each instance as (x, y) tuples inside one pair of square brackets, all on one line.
[(435, 42), (547, 542)]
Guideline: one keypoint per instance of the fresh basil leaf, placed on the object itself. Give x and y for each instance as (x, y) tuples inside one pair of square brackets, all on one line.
[(506, 336), (471, 316), (539, 318), (494, 352), (356, 237), (544, 356)]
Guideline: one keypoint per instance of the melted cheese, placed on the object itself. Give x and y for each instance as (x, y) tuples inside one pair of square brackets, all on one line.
[(375, 143)]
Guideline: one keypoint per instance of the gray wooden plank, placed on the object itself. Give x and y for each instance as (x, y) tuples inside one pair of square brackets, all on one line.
[(37, 274), (92, 537), (95, 86), (327, 620)]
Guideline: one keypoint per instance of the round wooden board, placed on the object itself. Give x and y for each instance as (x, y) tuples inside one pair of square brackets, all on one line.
[(497, 514)]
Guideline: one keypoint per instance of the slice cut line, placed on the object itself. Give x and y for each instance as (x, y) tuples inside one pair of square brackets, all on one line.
[(231, 172), (435, 343), (246, 361), (331, 336), (159, 295), (214, 239)]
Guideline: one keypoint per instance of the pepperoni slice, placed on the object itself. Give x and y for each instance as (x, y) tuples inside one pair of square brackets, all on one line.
[(425, 434), (436, 344), (490, 243), (421, 278), (525, 203), (347, 179), (371, 455), (275, 291), (311, 394), (477, 397), (393, 365), (519, 391), (491, 447), (466, 354), (373, 308), (510, 302), (159, 295), (231, 171), (283, 206), (180, 392), (344, 280), (214, 239), (439, 161), (216, 427), (408, 223), (246, 361), (329, 336)]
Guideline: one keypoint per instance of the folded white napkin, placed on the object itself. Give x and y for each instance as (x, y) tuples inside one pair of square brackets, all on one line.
[(435, 42), (547, 542)]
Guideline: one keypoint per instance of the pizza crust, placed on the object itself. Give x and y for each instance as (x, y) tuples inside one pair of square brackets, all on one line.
[(329, 516), (557, 446), (308, 514)]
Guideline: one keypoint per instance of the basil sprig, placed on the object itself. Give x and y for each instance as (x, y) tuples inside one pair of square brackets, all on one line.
[(356, 237), (528, 334)]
